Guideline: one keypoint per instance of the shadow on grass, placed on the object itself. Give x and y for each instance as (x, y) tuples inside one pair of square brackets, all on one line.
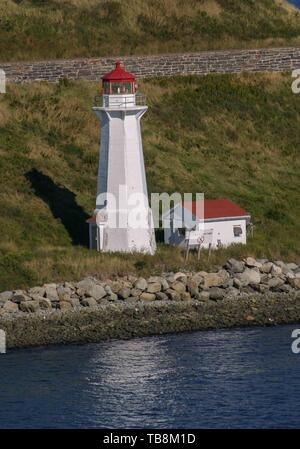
[(63, 205)]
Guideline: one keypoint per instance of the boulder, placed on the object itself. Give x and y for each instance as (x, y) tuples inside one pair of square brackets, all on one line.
[(164, 284), (141, 284), (219, 279), (74, 301), (154, 287), (64, 293), (185, 296), (178, 286), (20, 297), (147, 296), (89, 302), (295, 283), (232, 292), (51, 292), (40, 291), (275, 282), (252, 263), (203, 296), (29, 306), (266, 267), (136, 292), (44, 303), (193, 285), (10, 306), (112, 297), (6, 296), (97, 292), (216, 293), (65, 305), (249, 276), (124, 293), (161, 296), (276, 270), (235, 266), (173, 295), (292, 266), (181, 277)]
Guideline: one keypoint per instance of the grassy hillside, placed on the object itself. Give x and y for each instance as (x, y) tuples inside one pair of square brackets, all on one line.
[(43, 29), (227, 136)]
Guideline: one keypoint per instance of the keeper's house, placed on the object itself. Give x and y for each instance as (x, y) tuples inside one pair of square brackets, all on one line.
[(222, 220)]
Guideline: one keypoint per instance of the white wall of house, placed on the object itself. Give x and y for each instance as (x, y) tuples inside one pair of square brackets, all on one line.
[(223, 230)]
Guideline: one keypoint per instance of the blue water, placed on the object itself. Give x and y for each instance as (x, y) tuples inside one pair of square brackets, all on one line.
[(295, 2), (217, 379)]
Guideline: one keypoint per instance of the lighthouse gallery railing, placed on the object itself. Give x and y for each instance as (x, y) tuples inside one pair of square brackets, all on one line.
[(121, 101)]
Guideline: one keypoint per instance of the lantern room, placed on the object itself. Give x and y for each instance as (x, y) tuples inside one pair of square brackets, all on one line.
[(118, 82)]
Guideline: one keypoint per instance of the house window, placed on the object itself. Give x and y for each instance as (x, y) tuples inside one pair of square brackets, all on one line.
[(237, 231)]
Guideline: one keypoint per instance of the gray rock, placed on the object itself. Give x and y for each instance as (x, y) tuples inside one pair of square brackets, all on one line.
[(252, 263), (232, 292), (97, 292), (75, 301), (292, 266), (112, 297), (141, 284), (124, 293), (20, 297), (161, 296), (40, 291), (154, 287), (181, 277), (6, 296), (266, 267), (29, 306), (276, 270), (178, 286), (164, 284), (64, 293), (275, 282), (235, 266), (216, 293), (89, 302), (65, 305), (145, 296), (295, 283), (10, 306), (203, 296), (193, 285), (51, 292), (44, 303), (185, 296), (249, 276), (172, 294), (219, 279), (136, 292)]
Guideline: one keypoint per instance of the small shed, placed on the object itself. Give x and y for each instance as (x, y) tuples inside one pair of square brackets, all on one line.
[(225, 220)]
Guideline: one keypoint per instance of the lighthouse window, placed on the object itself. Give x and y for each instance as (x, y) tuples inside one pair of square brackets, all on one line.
[(237, 231), (121, 88), (106, 88)]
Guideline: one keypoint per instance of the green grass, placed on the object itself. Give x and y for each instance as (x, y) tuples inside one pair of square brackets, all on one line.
[(234, 136), (38, 29)]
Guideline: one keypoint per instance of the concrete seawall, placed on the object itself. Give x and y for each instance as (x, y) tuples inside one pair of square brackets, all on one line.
[(128, 320), (200, 63)]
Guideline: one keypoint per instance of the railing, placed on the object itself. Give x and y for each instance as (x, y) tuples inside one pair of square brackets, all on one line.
[(120, 101)]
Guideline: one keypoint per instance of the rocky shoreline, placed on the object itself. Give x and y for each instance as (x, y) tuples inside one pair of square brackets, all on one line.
[(249, 292)]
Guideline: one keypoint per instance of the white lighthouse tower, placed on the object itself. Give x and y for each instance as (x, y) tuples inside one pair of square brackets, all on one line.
[(123, 219)]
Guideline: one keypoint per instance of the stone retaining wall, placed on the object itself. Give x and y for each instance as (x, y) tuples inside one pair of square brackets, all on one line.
[(234, 61), (240, 293)]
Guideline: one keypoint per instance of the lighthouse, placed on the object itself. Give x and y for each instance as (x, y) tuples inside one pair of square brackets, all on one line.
[(122, 219)]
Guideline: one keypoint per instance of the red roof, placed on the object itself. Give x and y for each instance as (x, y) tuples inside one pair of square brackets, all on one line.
[(118, 74), (221, 208)]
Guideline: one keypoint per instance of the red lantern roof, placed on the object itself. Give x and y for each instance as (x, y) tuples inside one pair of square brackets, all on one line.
[(118, 74)]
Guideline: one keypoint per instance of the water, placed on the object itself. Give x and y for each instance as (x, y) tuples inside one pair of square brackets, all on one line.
[(224, 379), (295, 2)]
